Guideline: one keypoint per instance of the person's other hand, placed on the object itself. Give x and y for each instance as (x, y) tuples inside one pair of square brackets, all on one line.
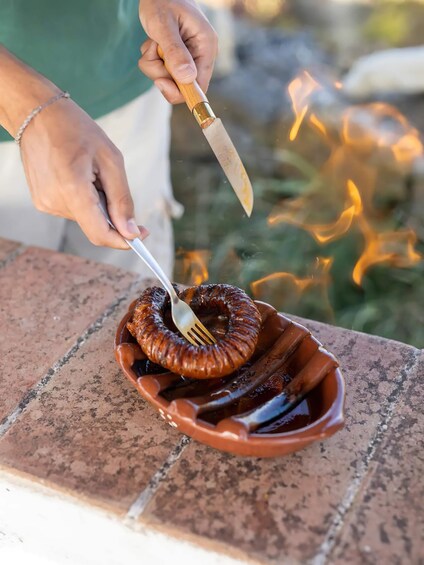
[(66, 157), (187, 39)]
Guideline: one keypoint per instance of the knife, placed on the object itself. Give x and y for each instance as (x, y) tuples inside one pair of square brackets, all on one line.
[(218, 139)]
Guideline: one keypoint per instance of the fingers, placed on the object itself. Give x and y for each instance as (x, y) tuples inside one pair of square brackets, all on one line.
[(144, 232), (83, 204), (153, 67), (179, 61), (186, 62), (178, 58), (150, 63), (204, 50), (87, 213), (113, 180), (169, 90)]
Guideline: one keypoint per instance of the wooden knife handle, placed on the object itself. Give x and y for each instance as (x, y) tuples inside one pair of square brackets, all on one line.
[(192, 92)]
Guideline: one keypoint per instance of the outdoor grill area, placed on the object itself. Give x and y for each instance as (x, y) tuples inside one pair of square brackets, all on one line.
[(108, 481), (243, 385)]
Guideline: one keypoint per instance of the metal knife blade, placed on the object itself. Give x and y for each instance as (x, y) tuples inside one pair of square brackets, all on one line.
[(230, 161)]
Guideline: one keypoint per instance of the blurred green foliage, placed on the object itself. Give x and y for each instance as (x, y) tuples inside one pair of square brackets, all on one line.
[(389, 25)]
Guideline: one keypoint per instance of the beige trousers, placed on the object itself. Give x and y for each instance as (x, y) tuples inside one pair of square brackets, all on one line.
[(141, 130)]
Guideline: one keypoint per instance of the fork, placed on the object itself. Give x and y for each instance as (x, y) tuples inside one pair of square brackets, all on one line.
[(183, 316)]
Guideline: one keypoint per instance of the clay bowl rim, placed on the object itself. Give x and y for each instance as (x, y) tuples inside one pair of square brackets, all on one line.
[(324, 426)]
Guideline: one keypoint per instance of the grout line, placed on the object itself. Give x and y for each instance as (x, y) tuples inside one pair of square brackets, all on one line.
[(34, 392), (326, 548), (139, 505), (13, 255)]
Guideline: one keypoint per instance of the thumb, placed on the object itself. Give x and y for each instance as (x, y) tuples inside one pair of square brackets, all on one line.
[(114, 183), (177, 57)]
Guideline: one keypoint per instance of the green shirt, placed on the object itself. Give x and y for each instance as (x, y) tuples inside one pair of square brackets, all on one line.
[(88, 47)]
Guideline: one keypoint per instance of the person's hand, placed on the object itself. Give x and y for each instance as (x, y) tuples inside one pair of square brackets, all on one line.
[(187, 39), (66, 157)]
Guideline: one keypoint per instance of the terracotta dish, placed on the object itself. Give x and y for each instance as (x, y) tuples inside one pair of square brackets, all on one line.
[(290, 393)]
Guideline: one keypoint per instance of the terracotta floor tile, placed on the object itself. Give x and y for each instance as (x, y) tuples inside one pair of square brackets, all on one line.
[(89, 431), (7, 247), (274, 508), (387, 523), (47, 300)]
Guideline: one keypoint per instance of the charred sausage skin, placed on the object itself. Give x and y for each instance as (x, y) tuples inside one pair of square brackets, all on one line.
[(170, 350)]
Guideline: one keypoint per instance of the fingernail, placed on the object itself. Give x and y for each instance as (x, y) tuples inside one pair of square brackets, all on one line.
[(159, 85), (132, 227), (185, 72), (144, 233)]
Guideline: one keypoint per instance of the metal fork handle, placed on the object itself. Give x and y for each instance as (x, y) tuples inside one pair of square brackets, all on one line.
[(138, 247), (141, 250)]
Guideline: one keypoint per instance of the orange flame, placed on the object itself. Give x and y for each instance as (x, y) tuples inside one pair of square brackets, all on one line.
[(407, 148), (320, 277), (195, 269), (380, 125), (323, 233), (300, 89), (365, 130), (317, 123), (395, 248)]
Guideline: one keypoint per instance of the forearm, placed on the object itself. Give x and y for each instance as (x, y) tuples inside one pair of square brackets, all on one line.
[(21, 90)]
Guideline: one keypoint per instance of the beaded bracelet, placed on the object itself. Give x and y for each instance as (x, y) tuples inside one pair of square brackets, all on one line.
[(36, 111)]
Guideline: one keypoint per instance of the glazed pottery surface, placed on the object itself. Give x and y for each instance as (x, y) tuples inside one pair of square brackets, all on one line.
[(289, 395)]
